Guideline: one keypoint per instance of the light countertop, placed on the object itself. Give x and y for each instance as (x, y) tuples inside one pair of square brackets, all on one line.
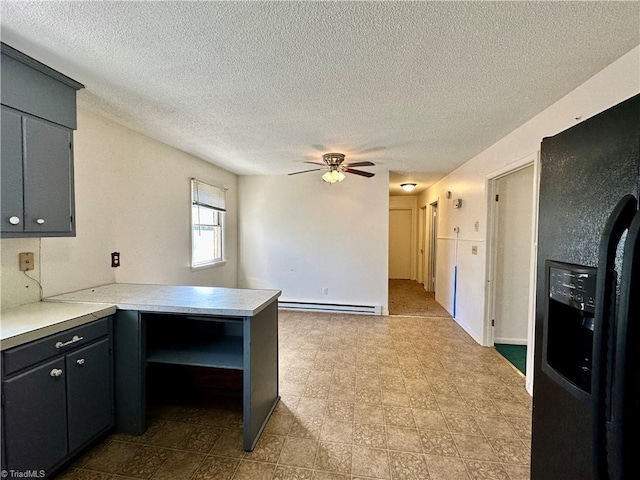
[(175, 299), (23, 324)]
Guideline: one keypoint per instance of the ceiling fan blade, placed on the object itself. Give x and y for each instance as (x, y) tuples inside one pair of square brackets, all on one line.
[(360, 172), (316, 163), (360, 164), (305, 171)]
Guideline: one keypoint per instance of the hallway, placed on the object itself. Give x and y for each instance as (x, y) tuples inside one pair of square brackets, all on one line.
[(408, 298)]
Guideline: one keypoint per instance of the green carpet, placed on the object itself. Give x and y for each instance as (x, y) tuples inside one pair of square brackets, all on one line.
[(516, 354)]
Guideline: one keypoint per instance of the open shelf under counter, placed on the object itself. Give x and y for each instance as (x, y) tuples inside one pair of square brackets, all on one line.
[(199, 341), (224, 351)]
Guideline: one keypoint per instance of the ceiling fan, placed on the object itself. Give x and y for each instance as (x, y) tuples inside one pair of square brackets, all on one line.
[(336, 168)]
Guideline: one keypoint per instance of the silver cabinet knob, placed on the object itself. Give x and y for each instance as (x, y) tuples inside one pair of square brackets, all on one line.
[(14, 220), (80, 361), (40, 221), (56, 372)]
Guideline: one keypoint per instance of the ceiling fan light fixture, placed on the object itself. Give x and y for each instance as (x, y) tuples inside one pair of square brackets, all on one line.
[(408, 187), (333, 176), (335, 168)]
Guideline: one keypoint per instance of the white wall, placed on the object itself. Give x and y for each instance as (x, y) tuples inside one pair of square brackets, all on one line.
[(616, 83), (15, 286), (300, 235), (132, 196)]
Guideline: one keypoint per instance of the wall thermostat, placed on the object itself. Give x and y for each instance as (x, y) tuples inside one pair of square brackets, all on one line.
[(457, 203)]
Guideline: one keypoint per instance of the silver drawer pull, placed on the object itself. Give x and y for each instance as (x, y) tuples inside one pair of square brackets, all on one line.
[(14, 220), (80, 361), (40, 221), (74, 339), (56, 372)]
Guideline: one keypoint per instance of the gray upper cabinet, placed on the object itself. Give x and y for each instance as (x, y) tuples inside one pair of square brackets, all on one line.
[(38, 118), (35, 88), (36, 176), (11, 174)]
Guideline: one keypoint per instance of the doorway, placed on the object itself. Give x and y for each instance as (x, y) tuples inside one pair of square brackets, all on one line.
[(400, 241), (510, 260)]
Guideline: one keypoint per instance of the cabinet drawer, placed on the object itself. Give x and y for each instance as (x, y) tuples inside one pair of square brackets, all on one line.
[(17, 358)]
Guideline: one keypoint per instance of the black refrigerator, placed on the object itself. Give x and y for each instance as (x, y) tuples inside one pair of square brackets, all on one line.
[(586, 392)]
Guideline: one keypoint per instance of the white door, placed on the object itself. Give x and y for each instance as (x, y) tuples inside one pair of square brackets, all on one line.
[(400, 244), (513, 210)]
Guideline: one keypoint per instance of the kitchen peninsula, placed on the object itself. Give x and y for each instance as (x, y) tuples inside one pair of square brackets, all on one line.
[(195, 326)]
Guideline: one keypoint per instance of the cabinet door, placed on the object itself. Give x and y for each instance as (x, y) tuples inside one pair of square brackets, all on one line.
[(35, 417), (89, 392), (48, 177), (11, 174)]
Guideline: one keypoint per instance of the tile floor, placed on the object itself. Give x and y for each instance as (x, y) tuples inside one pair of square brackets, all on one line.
[(363, 397), (409, 298)]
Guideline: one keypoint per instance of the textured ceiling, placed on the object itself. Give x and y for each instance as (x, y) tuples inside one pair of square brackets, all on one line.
[(258, 87)]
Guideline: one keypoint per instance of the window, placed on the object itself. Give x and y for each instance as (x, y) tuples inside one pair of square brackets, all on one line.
[(208, 207)]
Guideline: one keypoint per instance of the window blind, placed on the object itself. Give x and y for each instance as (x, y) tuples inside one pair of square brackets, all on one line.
[(209, 196)]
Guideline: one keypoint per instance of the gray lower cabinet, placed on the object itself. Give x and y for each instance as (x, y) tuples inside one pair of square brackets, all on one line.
[(35, 418), (37, 177), (159, 339), (89, 397), (54, 408)]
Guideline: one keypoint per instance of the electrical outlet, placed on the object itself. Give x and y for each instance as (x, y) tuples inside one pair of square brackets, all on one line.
[(474, 249), (115, 259), (325, 291), (27, 261)]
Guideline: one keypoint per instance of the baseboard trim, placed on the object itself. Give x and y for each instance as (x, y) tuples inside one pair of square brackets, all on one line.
[(331, 307), (510, 341)]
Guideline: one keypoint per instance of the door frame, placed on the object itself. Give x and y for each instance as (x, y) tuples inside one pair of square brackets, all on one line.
[(422, 247), (491, 239), (433, 247)]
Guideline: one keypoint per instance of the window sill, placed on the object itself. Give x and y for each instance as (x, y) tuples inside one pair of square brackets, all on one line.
[(208, 265)]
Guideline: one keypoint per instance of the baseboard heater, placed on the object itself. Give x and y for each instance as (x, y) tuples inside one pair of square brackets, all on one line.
[(331, 307)]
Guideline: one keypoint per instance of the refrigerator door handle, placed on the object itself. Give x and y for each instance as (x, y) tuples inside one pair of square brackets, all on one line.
[(604, 316), (625, 418)]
